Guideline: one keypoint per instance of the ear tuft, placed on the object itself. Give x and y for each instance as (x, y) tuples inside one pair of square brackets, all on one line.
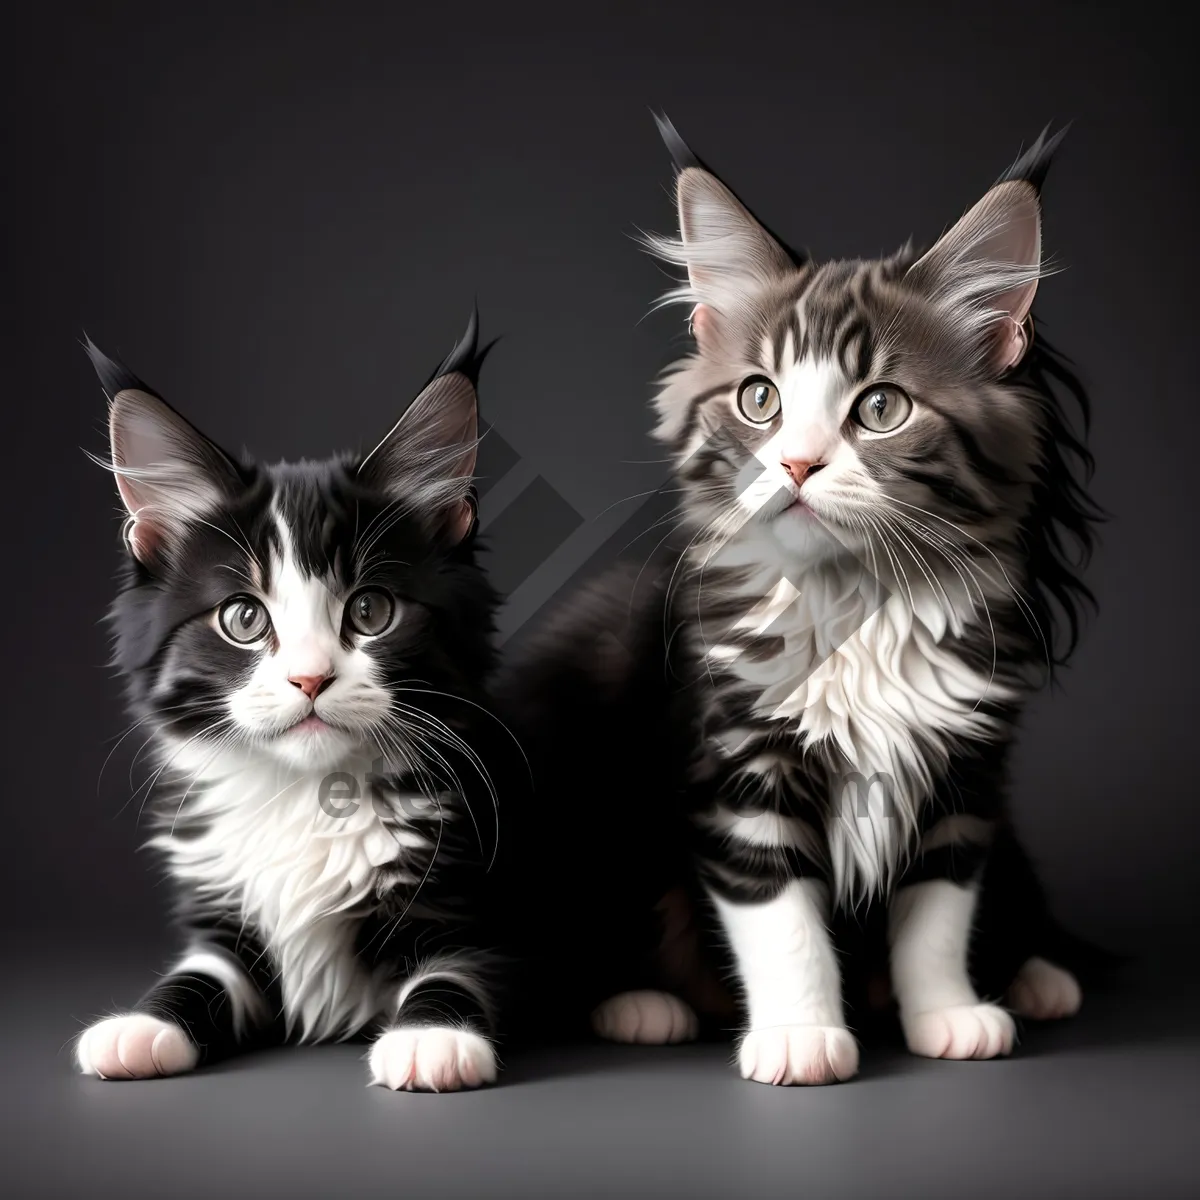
[(1032, 165), (427, 459), (168, 473), (114, 376), (727, 251), (983, 272), (681, 153), (466, 358)]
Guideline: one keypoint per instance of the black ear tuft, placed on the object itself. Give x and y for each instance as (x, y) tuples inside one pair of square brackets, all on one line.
[(681, 153), (466, 358), (1034, 163), (684, 158), (115, 377)]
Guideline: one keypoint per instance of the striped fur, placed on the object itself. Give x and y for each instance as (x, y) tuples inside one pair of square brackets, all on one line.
[(805, 719), (886, 616)]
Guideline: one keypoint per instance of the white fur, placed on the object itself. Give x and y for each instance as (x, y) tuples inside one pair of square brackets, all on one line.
[(300, 875), (930, 932), (799, 1054), (648, 1017), (871, 672), (134, 1046), (431, 1060), (964, 1031), (450, 966), (306, 616), (786, 962), (764, 829), (885, 688)]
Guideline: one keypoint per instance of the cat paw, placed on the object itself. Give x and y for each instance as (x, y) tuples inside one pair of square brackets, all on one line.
[(798, 1054), (649, 1018), (432, 1060), (1044, 992), (134, 1047), (963, 1031)]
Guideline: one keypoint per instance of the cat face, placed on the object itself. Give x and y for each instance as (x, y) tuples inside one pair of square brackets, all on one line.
[(299, 612), (847, 404)]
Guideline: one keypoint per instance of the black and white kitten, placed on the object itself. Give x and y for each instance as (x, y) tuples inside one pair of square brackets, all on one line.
[(308, 644), (813, 710)]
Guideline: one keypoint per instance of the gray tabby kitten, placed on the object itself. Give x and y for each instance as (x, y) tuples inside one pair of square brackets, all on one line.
[(873, 462), (881, 507)]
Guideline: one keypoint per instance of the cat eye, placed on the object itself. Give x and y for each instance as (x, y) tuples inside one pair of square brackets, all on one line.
[(370, 611), (244, 620), (882, 409), (759, 400)]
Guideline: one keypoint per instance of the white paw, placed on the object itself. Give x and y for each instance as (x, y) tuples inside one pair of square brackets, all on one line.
[(650, 1018), (798, 1054), (134, 1047), (432, 1060), (963, 1031), (1044, 992)]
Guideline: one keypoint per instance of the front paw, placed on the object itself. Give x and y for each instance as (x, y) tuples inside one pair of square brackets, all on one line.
[(432, 1060), (134, 1047), (799, 1054), (963, 1031)]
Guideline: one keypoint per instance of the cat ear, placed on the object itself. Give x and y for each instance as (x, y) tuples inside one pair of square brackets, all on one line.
[(168, 473), (727, 251), (428, 456), (984, 271)]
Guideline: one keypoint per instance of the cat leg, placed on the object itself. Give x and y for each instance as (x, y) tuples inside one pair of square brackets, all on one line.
[(203, 1009), (929, 932), (1017, 935), (655, 1016), (440, 1038), (773, 904)]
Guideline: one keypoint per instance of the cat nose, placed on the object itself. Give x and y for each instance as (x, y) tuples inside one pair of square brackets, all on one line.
[(311, 685), (800, 469)]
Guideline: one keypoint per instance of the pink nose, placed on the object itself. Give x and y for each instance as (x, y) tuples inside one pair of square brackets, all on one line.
[(799, 469), (311, 685)]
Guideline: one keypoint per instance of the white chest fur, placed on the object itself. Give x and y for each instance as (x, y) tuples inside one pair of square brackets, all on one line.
[(873, 672), (300, 873)]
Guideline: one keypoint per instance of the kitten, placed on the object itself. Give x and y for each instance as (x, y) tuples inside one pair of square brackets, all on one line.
[(813, 709), (307, 644)]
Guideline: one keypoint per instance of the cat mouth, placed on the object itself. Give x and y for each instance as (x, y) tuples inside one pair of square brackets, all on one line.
[(795, 508), (312, 724)]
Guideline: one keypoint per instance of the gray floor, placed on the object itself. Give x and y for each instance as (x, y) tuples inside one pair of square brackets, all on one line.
[(1108, 1105)]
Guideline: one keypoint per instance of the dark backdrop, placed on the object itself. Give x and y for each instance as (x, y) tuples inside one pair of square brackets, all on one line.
[(280, 216)]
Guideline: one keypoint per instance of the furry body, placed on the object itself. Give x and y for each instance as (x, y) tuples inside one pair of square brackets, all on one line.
[(308, 645), (812, 709)]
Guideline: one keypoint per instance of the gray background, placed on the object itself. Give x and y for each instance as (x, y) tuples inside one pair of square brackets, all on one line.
[(279, 216)]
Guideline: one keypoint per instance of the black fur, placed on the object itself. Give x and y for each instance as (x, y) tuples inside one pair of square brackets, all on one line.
[(349, 528), (614, 704)]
